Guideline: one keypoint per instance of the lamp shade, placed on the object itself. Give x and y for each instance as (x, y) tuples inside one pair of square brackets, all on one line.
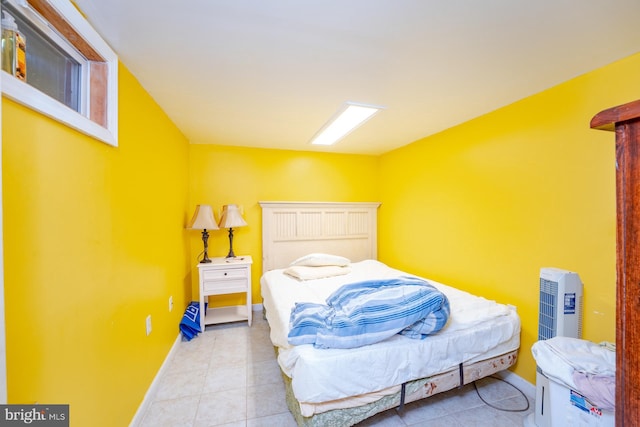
[(203, 219), (231, 217)]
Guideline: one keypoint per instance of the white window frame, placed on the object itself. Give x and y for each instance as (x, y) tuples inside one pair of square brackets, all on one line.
[(25, 94)]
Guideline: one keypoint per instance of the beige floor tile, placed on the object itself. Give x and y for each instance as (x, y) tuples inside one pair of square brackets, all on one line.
[(279, 420), (266, 399), (229, 377), (221, 378), (221, 407), (267, 372), (175, 385), (172, 413)]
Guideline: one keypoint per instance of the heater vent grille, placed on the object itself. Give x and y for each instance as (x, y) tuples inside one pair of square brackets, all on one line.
[(547, 325)]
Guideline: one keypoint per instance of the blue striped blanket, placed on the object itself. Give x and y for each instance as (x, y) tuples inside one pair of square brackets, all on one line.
[(367, 312)]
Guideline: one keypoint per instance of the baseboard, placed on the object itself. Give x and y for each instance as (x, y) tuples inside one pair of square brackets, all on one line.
[(256, 307), (516, 380), (142, 409)]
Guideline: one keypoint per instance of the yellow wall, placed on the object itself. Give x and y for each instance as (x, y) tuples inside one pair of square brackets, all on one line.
[(94, 241), (95, 238), (222, 175), (484, 205)]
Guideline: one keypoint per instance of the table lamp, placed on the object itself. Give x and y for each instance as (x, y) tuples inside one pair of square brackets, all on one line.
[(231, 218), (204, 220)]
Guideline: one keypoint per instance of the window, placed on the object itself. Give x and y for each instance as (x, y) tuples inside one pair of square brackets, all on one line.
[(71, 73)]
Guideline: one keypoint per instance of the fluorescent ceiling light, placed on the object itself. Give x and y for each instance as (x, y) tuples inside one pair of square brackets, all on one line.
[(349, 117)]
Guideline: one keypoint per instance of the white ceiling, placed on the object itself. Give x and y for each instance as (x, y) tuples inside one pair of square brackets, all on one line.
[(270, 73)]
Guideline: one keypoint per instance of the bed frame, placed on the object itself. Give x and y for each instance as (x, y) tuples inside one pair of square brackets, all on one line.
[(409, 392), (294, 229)]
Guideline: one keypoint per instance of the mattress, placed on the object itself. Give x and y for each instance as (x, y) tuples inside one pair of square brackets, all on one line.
[(477, 329)]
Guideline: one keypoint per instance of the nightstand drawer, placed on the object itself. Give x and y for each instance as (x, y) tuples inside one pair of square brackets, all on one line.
[(225, 274), (213, 287)]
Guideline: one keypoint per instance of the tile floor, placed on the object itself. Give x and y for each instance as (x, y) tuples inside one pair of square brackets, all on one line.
[(207, 385)]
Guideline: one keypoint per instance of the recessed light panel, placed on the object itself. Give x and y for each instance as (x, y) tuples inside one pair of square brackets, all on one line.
[(348, 118)]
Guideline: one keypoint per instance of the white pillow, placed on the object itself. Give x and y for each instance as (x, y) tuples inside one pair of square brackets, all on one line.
[(320, 260), (303, 272)]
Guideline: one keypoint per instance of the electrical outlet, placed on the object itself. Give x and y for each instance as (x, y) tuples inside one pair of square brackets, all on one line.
[(171, 303), (148, 323)]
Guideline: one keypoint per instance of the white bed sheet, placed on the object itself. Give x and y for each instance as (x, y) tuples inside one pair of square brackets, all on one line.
[(477, 329)]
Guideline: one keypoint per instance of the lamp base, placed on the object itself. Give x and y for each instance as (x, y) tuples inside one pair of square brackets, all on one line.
[(231, 254), (205, 239)]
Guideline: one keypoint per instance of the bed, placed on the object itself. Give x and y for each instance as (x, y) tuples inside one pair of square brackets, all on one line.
[(343, 386)]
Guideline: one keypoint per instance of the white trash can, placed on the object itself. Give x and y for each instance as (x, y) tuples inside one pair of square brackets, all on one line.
[(559, 406), (558, 403)]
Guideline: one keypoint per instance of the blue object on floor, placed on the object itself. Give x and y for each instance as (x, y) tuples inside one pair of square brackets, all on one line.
[(190, 324)]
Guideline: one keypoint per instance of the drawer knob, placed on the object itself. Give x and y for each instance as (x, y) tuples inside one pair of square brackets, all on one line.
[(225, 273)]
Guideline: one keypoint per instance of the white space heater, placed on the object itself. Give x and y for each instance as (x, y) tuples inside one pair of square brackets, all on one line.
[(560, 315), (560, 304)]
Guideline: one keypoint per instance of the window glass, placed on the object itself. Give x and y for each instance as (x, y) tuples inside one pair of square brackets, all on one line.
[(50, 69)]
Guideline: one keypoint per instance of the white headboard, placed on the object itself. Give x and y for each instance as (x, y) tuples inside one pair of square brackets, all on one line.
[(294, 229)]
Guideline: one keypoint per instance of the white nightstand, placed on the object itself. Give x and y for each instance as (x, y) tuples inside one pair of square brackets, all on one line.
[(224, 276)]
